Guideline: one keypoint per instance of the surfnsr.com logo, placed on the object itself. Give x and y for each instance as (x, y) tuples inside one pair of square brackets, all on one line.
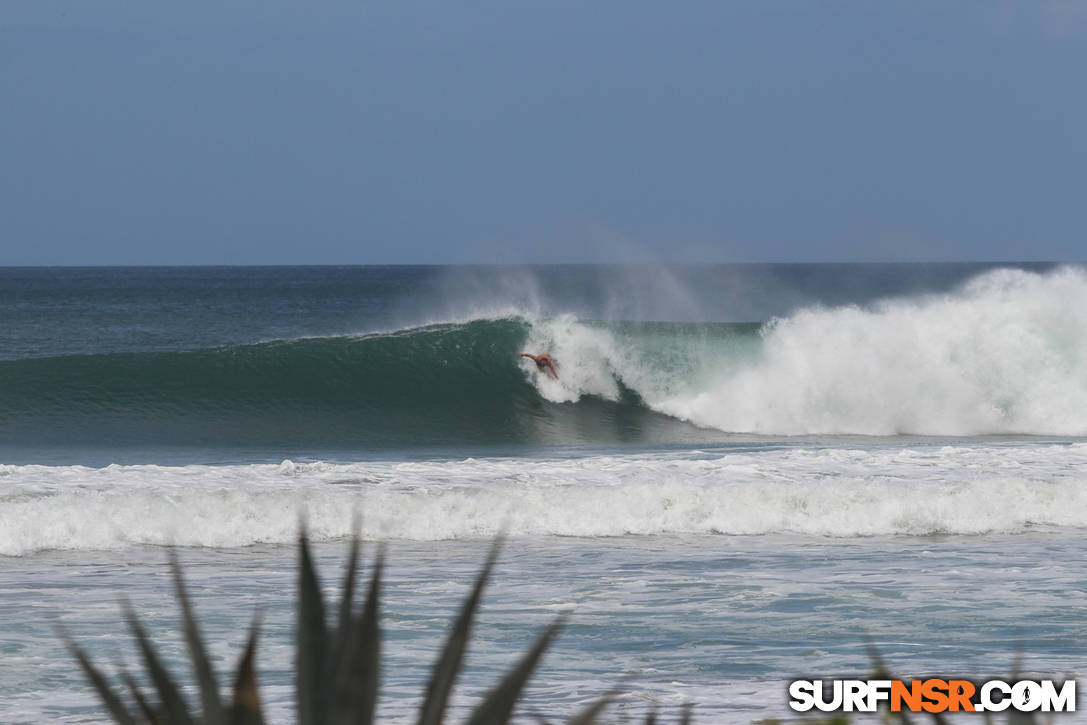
[(932, 695)]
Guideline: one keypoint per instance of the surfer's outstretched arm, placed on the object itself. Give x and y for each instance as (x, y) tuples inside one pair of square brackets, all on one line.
[(544, 364)]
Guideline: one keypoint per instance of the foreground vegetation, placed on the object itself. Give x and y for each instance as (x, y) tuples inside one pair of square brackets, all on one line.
[(338, 667)]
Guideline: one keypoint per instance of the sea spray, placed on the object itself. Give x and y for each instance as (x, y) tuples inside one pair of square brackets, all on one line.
[(1007, 353), (1003, 354)]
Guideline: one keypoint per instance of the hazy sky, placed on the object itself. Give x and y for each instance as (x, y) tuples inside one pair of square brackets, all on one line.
[(268, 132)]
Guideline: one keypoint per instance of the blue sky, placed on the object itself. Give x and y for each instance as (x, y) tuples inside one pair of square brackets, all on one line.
[(361, 132)]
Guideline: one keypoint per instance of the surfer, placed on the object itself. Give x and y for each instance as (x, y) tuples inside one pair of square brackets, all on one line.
[(544, 363)]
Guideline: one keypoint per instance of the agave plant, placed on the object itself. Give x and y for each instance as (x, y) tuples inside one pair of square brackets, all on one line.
[(337, 668)]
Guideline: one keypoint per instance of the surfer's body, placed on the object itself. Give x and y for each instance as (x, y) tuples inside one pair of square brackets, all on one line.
[(544, 364)]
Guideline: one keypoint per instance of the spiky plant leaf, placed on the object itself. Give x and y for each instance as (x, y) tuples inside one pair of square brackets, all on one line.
[(339, 638), (173, 705), (349, 576), (1016, 717), (149, 713), (348, 595), (109, 698), (589, 714), (359, 673), (685, 718), (538, 717), (210, 701), (452, 655), (879, 668), (246, 710), (497, 707), (310, 642), (880, 671)]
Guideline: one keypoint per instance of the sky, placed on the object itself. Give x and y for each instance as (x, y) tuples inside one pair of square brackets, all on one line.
[(428, 132)]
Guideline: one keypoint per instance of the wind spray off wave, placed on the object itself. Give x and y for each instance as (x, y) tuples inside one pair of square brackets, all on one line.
[(1004, 354)]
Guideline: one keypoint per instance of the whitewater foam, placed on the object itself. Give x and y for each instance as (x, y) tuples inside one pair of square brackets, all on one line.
[(584, 355), (1004, 354), (828, 492)]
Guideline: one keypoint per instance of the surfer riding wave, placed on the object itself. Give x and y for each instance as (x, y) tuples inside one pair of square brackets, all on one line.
[(544, 364)]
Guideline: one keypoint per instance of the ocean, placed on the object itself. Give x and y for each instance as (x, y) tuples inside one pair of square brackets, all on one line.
[(743, 475)]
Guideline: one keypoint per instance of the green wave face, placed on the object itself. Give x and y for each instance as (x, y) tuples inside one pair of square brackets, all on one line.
[(428, 386), (1003, 355)]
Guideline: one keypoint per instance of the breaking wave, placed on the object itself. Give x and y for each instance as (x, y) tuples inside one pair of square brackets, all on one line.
[(921, 490), (1004, 354)]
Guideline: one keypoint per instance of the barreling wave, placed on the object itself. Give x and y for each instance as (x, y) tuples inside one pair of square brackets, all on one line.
[(1004, 354), (431, 385)]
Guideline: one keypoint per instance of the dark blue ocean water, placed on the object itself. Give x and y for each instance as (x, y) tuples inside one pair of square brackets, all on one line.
[(55, 311), (739, 474), (227, 364)]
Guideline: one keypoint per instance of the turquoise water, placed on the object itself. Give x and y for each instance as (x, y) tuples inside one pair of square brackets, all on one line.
[(740, 474)]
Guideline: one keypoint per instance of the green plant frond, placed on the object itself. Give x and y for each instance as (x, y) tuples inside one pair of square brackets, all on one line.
[(538, 717), (880, 671), (338, 671), (150, 714), (347, 600), (338, 639), (879, 667), (210, 700), (1014, 716), (109, 698), (452, 655), (246, 709), (174, 708), (359, 671), (589, 715), (497, 706), (310, 644)]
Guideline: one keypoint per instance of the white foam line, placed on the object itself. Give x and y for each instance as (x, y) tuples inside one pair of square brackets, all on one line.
[(831, 492)]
